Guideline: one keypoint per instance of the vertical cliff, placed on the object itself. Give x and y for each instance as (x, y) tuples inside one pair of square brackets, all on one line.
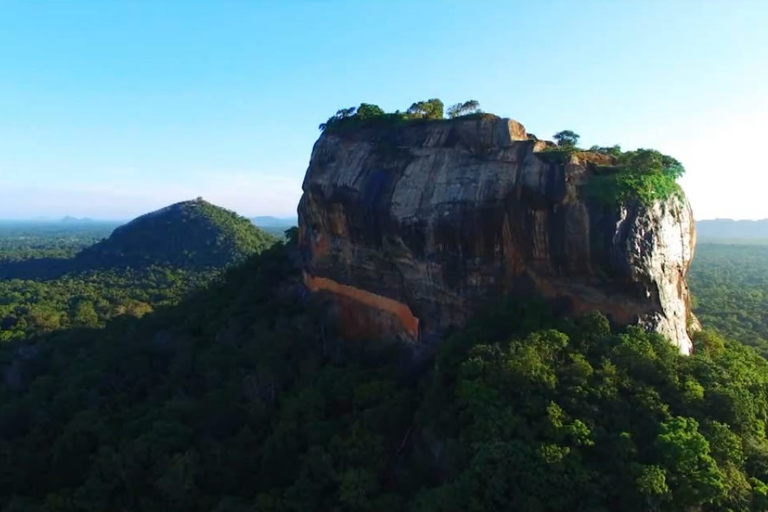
[(410, 227)]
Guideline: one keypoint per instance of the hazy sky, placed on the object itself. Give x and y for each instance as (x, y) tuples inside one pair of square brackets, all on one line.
[(109, 109)]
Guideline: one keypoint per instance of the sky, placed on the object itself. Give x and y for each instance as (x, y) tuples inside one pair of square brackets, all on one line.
[(112, 109)]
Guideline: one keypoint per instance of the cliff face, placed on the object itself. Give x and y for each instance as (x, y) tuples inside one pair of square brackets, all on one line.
[(411, 228)]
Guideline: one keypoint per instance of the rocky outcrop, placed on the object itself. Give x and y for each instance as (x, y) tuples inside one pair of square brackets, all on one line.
[(411, 228)]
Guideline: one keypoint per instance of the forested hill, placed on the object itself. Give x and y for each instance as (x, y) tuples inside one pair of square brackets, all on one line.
[(190, 234), (242, 398), (54, 277)]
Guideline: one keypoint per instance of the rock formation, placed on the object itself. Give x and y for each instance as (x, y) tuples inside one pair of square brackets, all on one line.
[(411, 227)]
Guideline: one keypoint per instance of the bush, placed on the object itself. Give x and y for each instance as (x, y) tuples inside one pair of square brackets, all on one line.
[(645, 175)]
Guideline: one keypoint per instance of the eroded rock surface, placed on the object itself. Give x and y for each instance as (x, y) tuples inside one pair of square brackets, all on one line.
[(411, 228)]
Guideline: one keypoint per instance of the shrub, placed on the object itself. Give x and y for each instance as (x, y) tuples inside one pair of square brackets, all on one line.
[(645, 175)]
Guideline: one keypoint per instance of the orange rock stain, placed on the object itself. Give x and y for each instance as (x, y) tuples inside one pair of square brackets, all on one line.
[(407, 322)]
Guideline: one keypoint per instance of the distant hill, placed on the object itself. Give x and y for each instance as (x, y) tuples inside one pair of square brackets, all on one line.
[(190, 234), (265, 221), (275, 225), (729, 229)]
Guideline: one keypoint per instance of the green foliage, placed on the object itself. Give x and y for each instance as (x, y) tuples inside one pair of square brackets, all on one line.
[(645, 175), (429, 109), (238, 399), (566, 138), (90, 298), (730, 289), (190, 234), (367, 111), (372, 115), (152, 262), (462, 109), (340, 115), (243, 398), (614, 150), (693, 473), (365, 114), (20, 241), (582, 419), (558, 154)]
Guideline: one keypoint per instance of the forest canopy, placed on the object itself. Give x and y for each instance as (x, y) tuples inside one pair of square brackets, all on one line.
[(243, 398)]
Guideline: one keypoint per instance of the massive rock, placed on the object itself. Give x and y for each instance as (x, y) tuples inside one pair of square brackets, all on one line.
[(410, 228)]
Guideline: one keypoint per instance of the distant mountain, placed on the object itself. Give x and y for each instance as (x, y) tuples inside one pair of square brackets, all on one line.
[(275, 225), (732, 229), (265, 221), (190, 234)]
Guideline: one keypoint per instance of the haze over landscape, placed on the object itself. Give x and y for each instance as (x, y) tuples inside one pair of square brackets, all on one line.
[(112, 109)]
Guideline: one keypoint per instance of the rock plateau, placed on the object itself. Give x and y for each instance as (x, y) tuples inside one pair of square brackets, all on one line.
[(410, 228)]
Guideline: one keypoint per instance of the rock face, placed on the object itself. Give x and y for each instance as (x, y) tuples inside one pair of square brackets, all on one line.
[(411, 228)]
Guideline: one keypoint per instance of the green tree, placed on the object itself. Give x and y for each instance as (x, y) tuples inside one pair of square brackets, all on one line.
[(339, 116), (429, 109), (566, 138), (685, 454), (85, 315), (462, 109), (367, 111), (607, 150), (652, 162)]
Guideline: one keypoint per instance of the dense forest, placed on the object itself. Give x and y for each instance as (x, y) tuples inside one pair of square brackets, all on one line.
[(730, 288), (158, 380), (242, 398), (90, 298), (31, 240)]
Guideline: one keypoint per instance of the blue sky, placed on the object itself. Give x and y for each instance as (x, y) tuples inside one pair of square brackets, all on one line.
[(109, 109)]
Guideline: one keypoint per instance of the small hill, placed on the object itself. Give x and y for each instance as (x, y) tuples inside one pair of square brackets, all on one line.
[(190, 234)]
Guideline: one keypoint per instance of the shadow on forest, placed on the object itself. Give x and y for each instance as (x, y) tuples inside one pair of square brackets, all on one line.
[(38, 268)]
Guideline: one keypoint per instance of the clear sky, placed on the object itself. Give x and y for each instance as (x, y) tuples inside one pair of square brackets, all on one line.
[(109, 109)]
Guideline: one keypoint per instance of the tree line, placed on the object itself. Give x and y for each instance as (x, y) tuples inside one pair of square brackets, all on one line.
[(430, 109)]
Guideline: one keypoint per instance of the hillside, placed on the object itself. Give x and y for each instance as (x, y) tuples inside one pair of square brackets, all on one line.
[(152, 262), (190, 234)]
